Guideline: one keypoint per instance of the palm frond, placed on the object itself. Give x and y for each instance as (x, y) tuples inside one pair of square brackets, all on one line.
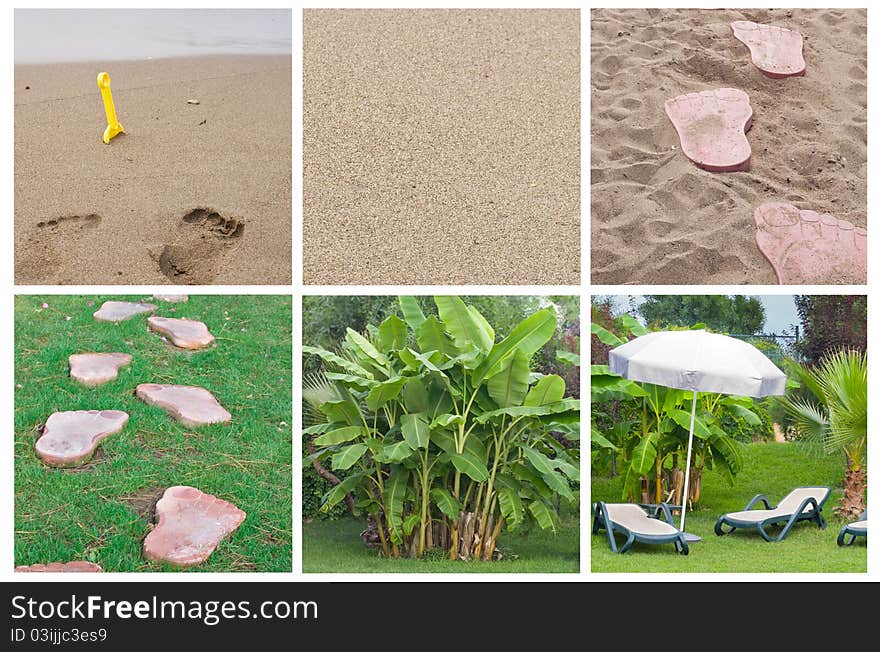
[(317, 390)]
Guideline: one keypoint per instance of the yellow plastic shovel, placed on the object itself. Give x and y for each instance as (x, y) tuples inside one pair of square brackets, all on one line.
[(113, 126)]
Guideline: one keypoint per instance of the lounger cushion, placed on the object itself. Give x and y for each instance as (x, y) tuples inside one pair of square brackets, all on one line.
[(860, 526), (634, 519), (786, 507)]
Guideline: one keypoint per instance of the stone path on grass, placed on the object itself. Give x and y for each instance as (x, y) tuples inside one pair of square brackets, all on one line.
[(192, 406), (59, 567), (191, 525), (183, 333), (171, 298), (116, 311), (70, 438), (94, 369)]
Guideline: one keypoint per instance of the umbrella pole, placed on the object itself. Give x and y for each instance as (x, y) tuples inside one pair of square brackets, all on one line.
[(687, 468)]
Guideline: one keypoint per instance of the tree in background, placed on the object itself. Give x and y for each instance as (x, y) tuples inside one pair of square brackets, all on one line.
[(600, 313), (737, 314), (837, 418), (831, 322)]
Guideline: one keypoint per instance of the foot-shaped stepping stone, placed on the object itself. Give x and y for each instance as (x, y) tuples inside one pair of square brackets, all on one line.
[(712, 128), (192, 406), (191, 525), (776, 51), (806, 248), (121, 310), (58, 567), (183, 333), (97, 368), (70, 438), (171, 298)]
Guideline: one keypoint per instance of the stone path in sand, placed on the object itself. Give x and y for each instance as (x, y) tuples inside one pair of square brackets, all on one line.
[(802, 246), (190, 523)]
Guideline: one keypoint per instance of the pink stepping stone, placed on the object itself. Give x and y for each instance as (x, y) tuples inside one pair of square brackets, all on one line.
[(97, 368), (712, 127), (776, 51), (806, 248), (183, 333), (58, 567), (191, 525), (70, 438), (121, 310), (192, 406), (171, 298)]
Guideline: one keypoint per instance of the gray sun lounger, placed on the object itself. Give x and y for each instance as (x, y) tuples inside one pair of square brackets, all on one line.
[(801, 504), (853, 530), (639, 523)]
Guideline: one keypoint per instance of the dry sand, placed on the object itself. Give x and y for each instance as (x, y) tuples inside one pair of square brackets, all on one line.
[(657, 218), (90, 213), (441, 146)]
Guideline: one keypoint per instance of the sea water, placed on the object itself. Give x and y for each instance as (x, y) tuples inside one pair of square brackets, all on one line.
[(66, 35)]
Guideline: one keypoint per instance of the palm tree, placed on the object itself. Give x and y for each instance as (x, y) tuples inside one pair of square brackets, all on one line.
[(840, 419)]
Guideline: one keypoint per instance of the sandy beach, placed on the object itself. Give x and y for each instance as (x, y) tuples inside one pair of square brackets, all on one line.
[(441, 146), (126, 212), (658, 219)]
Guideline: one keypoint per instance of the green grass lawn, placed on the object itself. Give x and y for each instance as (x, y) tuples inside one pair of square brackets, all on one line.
[(772, 469), (335, 546), (102, 511)]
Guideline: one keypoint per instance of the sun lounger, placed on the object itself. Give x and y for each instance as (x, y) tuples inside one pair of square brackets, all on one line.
[(801, 504), (642, 523), (853, 530)]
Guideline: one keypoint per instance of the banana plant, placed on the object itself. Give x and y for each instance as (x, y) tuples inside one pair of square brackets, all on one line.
[(445, 434)]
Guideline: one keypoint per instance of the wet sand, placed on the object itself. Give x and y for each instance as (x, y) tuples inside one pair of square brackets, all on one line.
[(123, 213)]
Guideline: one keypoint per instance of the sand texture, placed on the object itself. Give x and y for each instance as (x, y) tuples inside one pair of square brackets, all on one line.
[(441, 146), (126, 212), (658, 219)]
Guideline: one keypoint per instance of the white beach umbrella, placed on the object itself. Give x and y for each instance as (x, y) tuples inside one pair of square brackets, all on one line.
[(697, 361)]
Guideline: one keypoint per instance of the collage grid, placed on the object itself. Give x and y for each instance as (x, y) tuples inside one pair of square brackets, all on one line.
[(300, 293)]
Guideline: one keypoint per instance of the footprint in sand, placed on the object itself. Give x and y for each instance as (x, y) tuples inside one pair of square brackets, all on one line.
[(777, 52), (806, 248), (53, 240), (202, 240), (712, 127)]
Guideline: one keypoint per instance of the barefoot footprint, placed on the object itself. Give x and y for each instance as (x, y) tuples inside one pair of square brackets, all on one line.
[(191, 525), (806, 248), (777, 52), (202, 239), (712, 126)]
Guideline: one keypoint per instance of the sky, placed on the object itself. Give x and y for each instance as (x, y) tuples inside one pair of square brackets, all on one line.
[(65, 35), (779, 310)]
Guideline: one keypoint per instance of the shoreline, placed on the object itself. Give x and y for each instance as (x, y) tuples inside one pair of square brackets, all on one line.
[(89, 213)]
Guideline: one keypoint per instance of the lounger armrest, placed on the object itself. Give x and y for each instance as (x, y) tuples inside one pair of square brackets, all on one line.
[(667, 513), (809, 501), (759, 498)]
